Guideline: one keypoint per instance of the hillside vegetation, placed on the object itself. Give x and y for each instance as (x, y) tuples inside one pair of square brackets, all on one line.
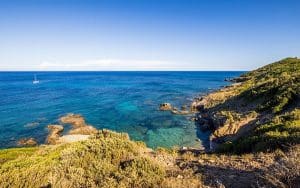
[(110, 159), (259, 112), (277, 85), (275, 89), (106, 160)]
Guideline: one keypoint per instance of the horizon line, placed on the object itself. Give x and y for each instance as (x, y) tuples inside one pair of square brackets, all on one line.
[(124, 70)]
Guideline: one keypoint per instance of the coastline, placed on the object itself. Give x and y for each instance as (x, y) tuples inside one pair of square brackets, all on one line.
[(261, 144), (123, 102), (197, 110)]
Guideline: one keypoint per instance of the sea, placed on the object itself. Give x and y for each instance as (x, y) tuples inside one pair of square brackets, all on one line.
[(119, 101)]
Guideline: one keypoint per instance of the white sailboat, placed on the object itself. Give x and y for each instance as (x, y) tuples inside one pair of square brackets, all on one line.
[(35, 81)]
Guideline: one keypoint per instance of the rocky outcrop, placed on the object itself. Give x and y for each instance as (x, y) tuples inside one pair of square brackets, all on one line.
[(224, 113), (84, 130), (27, 142), (75, 120), (195, 105), (79, 125), (54, 134), (79, 131)]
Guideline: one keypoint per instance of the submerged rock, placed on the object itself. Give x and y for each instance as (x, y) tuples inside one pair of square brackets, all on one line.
[(27, 142), (174, 110), (180, 112), (32, 124)]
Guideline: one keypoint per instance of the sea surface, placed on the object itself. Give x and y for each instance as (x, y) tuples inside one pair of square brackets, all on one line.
[(120, 101)]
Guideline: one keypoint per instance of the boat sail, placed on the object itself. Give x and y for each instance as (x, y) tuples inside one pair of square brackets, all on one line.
[(35, 81)]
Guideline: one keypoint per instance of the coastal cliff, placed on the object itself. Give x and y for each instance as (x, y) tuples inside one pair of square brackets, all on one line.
[(258, 112), (255, 125)]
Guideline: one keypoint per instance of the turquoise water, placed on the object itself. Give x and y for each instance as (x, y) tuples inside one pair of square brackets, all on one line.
[(120, 101)]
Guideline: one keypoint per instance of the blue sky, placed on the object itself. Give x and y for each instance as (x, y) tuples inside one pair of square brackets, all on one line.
[(147, 34)]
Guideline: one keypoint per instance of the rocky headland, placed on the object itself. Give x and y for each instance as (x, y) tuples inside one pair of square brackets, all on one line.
[(265, 96)]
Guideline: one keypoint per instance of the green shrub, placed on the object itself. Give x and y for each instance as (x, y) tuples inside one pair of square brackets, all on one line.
[(283, 131), (106, 160)]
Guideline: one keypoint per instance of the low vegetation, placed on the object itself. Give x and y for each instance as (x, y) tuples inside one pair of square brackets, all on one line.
[(107, 160), (261, 110), (281, 132)]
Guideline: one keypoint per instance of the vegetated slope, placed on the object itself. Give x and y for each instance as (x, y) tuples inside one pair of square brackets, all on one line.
[(106, 160), (110, 159), (260, 112)]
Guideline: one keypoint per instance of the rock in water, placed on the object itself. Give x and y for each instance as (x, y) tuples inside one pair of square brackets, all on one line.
[(79, 125), (27, 142), (165, 106), (75, 120)]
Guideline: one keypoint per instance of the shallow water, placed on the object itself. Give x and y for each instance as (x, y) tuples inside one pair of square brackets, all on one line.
[(120, 101)]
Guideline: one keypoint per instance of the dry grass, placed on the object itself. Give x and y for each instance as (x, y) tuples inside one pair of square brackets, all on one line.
[(276, 169)]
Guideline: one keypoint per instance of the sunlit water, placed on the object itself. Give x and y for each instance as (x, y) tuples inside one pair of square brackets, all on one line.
[(120, 101)]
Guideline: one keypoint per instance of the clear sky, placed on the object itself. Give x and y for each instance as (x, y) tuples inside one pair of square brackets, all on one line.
[(147, 34)]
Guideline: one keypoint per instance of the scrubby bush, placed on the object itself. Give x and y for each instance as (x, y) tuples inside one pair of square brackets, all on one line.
[(283, 131), (107, 160)]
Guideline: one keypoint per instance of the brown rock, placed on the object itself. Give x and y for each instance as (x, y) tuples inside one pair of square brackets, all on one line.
[(54, 134), (86, 130), (184, 108), (80, 130), (27, 142), (75, 120), (79, 125), (194, 106), (165, 106)]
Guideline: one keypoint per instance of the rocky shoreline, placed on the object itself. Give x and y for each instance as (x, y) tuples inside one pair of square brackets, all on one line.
[(80, 131), (205, 118), (209, 114)]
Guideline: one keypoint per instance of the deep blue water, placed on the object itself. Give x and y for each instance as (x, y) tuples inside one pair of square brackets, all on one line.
[(120, 101)]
